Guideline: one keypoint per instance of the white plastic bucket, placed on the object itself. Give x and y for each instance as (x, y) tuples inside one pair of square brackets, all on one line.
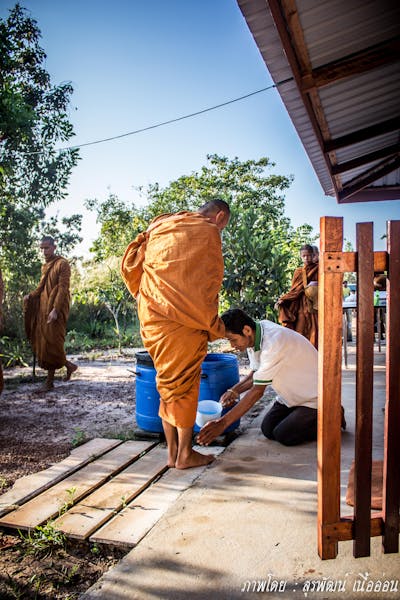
[(207, 410)]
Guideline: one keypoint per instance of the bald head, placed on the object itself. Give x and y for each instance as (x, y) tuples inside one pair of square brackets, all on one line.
[(217, 211)]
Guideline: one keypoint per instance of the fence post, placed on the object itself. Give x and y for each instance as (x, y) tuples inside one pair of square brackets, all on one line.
[(330, 281), (391, 471), (364, 390)]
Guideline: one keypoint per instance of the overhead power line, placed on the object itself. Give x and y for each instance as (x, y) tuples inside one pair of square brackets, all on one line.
[(177, 119)]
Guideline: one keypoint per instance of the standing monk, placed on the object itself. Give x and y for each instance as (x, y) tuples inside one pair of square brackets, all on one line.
[(46, 314), (298, 308), (175, 272), (1, 326)]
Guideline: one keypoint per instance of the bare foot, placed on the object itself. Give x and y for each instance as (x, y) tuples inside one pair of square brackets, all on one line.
[(171, 458), (195, 459), (71, 368)]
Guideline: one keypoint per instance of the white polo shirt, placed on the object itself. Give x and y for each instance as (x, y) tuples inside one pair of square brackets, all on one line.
[(286, 360)]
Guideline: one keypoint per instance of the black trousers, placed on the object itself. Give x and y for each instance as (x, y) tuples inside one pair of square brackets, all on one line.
[(290, 425)]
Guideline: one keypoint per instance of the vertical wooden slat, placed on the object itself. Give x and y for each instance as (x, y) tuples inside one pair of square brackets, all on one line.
[(345, 318), (391, 470), (364, 390), (379, 326), (329, 380)]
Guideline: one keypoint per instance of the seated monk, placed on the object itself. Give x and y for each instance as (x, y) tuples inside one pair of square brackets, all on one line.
[(298, 308), (46, 314), (175, 272)]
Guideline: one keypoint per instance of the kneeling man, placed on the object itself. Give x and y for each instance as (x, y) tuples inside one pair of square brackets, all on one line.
[(279, 357)]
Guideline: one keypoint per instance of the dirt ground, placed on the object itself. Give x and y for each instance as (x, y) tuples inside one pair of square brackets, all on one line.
[(39, 429)]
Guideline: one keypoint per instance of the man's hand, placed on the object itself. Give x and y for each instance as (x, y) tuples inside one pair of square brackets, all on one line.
[(52, 316), (210, 431), (228, 399)]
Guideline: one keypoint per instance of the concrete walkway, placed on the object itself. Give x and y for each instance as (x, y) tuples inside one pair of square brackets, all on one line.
[(249, 523)]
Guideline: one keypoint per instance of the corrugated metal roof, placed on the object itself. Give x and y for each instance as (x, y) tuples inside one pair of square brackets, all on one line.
[(349, 26), (308, 40)]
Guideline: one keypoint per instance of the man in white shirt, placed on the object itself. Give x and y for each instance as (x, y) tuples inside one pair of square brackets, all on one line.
[(279, 357)]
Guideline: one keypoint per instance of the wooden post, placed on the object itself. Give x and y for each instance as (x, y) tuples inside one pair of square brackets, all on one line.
[(364, 390), (330, 280), (391, 471)]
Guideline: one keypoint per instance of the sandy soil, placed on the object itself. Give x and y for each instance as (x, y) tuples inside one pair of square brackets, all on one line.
[(39, 428)]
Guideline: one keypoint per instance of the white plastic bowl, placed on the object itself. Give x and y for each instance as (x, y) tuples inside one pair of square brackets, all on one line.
[(207, 410)]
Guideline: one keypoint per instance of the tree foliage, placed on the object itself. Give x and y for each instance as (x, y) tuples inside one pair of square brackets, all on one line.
[(98, 293), (33, 172), (33, 121), (119, 224), (261, 248)]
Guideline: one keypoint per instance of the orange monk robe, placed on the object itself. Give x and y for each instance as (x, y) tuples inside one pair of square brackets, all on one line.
[(47, 339), (294, 308), (177, 287)]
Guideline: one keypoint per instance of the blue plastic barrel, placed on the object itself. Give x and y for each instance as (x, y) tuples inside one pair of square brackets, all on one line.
[(147, 397), (218, 373)]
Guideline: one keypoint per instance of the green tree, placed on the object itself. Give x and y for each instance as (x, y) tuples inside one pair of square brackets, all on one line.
[(98, 293), (33, 172), (33, 121), (349, 276), (119, 224), (261, 248)]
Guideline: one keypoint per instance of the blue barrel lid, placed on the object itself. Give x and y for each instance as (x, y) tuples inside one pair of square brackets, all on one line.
[(144, 358), (221, 357)]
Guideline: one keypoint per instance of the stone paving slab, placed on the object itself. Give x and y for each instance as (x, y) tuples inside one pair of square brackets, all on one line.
[(249, 525)]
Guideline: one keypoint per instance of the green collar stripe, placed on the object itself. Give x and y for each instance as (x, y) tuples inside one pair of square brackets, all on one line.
[(262, 381), (257, 341)]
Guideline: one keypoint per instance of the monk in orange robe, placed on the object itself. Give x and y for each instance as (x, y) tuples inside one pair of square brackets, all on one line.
[(175, 272), (1, 326), (46, 314), (298, 308)]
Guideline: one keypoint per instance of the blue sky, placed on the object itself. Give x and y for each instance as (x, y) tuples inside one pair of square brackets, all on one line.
[(133, 64)]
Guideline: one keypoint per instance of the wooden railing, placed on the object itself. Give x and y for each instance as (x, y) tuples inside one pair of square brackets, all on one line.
[(362, 525)]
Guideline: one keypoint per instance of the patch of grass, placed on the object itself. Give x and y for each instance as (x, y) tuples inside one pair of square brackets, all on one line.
[(79, 437), (94, 355), (43, 540), (125, 436), (15, 351), (78, 341), (95, 550), (69, 502), (67, 575)]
